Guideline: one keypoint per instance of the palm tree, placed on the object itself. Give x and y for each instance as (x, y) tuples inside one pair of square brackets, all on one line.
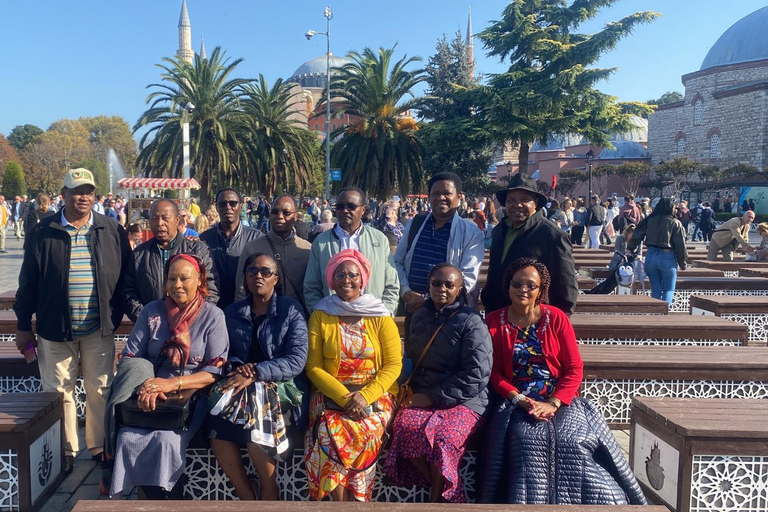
[(282, 152), (216, 126), (379, 151)]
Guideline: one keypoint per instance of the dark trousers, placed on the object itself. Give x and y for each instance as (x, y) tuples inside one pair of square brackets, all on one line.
[(577, 233)]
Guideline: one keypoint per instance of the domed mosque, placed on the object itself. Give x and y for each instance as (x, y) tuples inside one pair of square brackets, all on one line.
[(721, 120)]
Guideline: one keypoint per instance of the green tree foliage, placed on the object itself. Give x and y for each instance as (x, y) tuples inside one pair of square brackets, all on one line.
[(637, 109), (738, 171), (380, 151), (453, 139), (216, 127), (667, 97), (678, 173), (13, 180), (7, 154), (100, 174), (114, 132), (631, 174), (284, 157), (569, 180), (549, 85), (54, 151), (21, 136)]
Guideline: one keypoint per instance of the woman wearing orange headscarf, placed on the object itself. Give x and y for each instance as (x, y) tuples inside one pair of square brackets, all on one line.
[(353, 363)]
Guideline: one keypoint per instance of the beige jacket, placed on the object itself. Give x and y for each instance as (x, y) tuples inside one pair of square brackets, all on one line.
[(294, 254), (731, 230)]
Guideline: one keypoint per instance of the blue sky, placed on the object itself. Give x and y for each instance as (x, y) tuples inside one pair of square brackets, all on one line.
[(93, 57)]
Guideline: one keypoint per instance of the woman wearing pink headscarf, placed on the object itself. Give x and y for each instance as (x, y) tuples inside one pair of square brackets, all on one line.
[(353, 362)]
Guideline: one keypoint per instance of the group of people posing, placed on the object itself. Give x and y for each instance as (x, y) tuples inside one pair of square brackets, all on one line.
[(292, 340)]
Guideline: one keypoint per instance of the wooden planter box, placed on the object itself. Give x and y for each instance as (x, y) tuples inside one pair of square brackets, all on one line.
[(31, 448), (701, 454), (750, 311)]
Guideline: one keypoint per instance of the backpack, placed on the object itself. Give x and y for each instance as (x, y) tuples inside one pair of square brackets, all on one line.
[(625, 274)]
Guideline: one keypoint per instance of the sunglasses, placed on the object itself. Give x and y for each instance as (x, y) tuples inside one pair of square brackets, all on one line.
[(264, 271), (231, 204), (340, 276), (348, 207), (285, 213), (517, 285), (436, 283)]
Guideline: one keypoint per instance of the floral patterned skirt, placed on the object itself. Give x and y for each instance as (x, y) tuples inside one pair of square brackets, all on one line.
[(439, 435), (337, 449)]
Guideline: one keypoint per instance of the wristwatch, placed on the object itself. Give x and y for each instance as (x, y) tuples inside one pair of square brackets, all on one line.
[(516, 399)]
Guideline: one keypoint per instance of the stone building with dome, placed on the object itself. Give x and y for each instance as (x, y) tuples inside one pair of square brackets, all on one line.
[(309, 81), (722, 119)]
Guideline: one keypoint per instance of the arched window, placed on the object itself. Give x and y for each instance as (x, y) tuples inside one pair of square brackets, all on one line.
[(697, 108), (333, 126), (714, 146), (316, 126), (681, 146)]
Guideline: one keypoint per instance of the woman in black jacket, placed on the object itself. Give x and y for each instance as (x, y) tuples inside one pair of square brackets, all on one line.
[(450, 390), (268, 343)]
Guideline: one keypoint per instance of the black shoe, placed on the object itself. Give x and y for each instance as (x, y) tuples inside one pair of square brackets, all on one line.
[(69, 464)]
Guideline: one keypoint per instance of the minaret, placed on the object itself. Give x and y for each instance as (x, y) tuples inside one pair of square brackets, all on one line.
[(203, 55), (185, 52), (470, 43)]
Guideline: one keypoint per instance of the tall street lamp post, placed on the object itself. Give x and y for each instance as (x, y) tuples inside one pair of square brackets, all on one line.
[(188, 109), (309, 35), (590, 155)]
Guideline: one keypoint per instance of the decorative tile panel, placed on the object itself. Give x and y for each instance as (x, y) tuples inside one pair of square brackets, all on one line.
[(724, 483), (9, 480), (757, 324)]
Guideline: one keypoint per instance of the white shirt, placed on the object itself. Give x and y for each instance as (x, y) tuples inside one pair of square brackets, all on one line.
[(347, 241), (98, 208)]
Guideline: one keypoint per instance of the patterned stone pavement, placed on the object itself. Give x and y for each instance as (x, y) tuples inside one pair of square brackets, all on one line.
[(10, 264)]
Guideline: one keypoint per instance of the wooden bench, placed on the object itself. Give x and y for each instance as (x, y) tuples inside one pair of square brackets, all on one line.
[(7, 299), (696, 454), (750, 311), (753, 272), (620, 305), (607, 329), (18, 376), (731, 268), (331, 506), (8, 326), (613, 375), (599, 274), (688, 286), (31, 449)]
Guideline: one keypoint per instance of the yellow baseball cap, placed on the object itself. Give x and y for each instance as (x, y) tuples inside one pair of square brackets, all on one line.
[(77, 177)]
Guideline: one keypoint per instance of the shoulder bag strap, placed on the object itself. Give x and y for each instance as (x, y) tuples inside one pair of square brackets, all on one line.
[(426, 347), (279, 260)]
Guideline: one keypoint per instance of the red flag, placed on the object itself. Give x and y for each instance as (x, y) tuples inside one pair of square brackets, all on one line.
[(554, 181)]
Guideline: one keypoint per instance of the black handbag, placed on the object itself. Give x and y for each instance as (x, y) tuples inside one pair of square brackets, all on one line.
[(174, 413)]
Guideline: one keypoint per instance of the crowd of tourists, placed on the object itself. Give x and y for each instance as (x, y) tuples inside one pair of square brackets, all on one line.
[(269, 329)]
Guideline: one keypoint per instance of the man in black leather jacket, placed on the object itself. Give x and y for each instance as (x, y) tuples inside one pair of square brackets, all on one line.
[(526, 233), (145, 279)]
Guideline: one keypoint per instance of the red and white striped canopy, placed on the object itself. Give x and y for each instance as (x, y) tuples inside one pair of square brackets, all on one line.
[(158, 183)]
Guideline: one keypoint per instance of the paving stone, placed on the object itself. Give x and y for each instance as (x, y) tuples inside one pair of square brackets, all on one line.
[(76, 478), (85, 492), (58, 502), (94, 476)]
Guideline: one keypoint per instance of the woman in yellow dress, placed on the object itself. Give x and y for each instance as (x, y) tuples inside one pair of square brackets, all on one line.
[(353, 363)]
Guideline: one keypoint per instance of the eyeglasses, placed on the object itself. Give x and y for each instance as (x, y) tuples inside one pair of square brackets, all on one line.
[(340, 276), (285, 213), (264, 271), (231, 204), (436, 283), (348, 207), (517, 285)]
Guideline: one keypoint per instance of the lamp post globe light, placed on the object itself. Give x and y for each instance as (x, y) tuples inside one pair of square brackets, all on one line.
[(309, 35)]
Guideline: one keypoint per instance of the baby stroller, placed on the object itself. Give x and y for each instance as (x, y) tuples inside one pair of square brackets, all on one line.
[(629, 273)]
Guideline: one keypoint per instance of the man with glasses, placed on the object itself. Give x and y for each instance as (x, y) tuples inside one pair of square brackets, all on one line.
[(350, 233), (145, 279), (226, 240), (281, 242), (526, 233)]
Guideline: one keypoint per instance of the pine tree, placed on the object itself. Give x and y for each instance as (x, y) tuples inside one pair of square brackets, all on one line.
[(453, 139), (13, 180), (549, 87)]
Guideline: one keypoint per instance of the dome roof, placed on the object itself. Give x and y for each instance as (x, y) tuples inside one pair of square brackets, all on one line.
[(624, 149), (555, 142), (637, 132), (316, 66), (745, 41)]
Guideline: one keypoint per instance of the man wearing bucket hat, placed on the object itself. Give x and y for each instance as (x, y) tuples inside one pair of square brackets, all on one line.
[(74, 261), (526, 233)]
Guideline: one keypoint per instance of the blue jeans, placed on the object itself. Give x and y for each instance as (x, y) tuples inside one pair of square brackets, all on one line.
[(661, 267)]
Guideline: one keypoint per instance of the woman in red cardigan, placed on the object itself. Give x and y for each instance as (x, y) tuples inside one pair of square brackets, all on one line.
[(542, 440)]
